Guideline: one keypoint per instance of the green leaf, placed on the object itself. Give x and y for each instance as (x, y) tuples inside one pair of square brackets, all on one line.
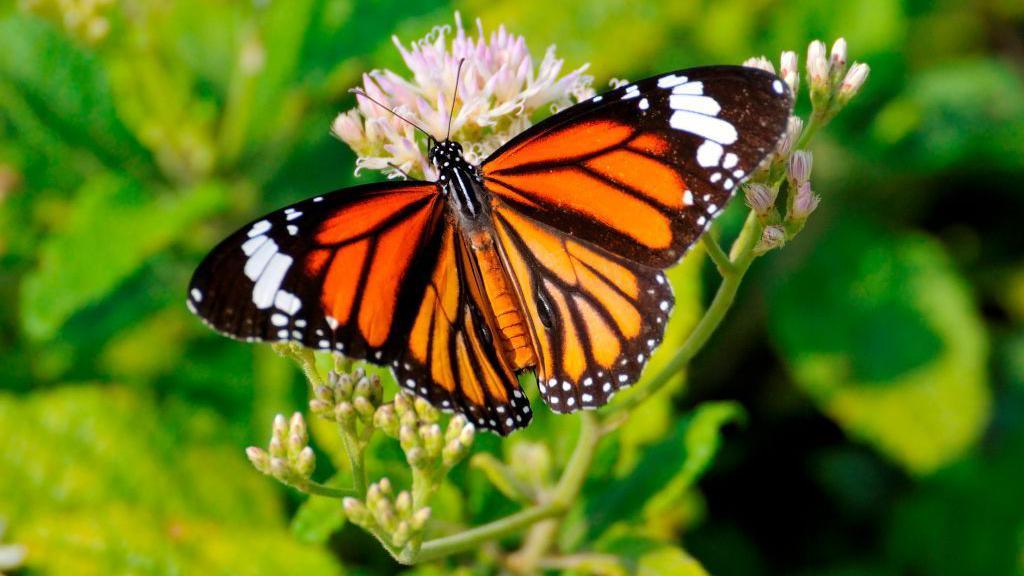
[(113, 228), (137, 488), (665, 470), (880, 331), (669, 560), (67, 91), (317, 518)]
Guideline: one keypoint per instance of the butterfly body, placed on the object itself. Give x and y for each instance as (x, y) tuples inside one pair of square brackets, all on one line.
[(547, 257)]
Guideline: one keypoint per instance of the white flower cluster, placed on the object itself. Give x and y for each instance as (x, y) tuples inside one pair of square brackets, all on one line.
[(500, 88)]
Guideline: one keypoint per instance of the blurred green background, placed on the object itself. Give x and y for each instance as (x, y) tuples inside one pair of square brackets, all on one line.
[(878, 359)]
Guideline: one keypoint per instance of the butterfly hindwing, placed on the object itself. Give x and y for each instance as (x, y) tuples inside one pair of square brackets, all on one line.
[(451, 358), (640, 171), (595, 317)]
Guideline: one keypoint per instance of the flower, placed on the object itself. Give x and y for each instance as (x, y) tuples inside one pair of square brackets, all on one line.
[(760, 198), (852, 83), (804, 202), (817, 70), (761, 63), (499, 89), (789, 70)]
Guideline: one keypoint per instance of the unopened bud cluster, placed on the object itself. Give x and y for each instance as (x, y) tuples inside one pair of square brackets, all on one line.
[(389, 516), (415, 424), (288, 457), (831, 84), (350, 399)]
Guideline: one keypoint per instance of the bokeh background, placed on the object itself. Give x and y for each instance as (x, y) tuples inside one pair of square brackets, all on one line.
[(877, 361)]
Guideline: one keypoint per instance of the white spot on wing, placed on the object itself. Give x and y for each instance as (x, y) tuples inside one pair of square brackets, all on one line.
[(265, 290), (259, 228), (287, 302), (696, 88), (252, 244), (700, 104), (709, 153), (196, 294), (705, 126), (644, 104), (730, 160), (258, 261), (670, 81)]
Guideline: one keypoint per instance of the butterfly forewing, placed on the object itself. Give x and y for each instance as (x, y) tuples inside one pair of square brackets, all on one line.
[(642, 170), (337, 272)]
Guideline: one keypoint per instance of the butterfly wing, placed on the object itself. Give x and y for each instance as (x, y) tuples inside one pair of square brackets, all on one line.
[(591, 204), (376, 272), (595, 316), (642, 170), (451, 358), (336, 272)]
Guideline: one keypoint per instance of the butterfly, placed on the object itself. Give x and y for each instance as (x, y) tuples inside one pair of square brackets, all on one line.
[(547, 257)]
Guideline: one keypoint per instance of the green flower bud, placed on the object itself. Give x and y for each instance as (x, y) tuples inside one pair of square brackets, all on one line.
[(280, 427), (363, 408), (279, 469), (425, 410), (345, 414), (305, 462), (417, 457), (419, 519), (407, 437), (277, 448), (403, 504), (432, 440), (295, 445), (455, 426), (343, 389), (322, 408), (356, 512), (400, 537), (386, 420), (403, 405), (259, 459)]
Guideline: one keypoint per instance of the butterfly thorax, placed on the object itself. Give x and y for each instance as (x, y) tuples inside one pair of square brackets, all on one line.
[(462, 184)]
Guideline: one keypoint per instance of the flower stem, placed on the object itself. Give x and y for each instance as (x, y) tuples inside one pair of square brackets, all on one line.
[(354, 452), (718, 256), (740, 258), (318, 489), (564, 495)]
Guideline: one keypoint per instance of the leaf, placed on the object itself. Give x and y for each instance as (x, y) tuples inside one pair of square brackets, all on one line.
[(113, 228), (136, 488), (669, 560), (667, 468), (317, 518), (67, 91), (879, 330)]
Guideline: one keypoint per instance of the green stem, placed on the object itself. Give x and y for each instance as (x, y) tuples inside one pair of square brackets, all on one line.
[(565, 493), (718, 256), (741, 256), (318, 489), (355, 460)]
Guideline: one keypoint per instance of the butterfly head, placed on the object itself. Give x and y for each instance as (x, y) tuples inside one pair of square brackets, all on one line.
[(445, 153)]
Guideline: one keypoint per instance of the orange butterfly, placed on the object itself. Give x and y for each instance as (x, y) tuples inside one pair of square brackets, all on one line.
[(546, 257)]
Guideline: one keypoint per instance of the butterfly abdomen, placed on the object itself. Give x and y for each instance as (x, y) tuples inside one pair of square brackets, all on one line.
[(515, 340)]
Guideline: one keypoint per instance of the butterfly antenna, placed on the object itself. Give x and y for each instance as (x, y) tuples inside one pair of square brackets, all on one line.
[(361, 92), (455, 94)]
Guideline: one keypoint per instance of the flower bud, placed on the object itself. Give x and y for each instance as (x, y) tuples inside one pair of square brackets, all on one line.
[(425, 410), (279, 469), (432, 440), (789, 70), (356, 511), (419, 519), (305, 462), (403, 405), (455, 426), (277, 448), (345, 414), (386, 420), (771, 238), (804, 202), (408, 437), (347, 128), (321, 408), (280, 427), (761, 63), (259, 458), (295, 445), (403, 532), (417, 457), (343, 389), (363, 408), (853, 82), (794, 127), (760, 198), (817, 72), (799, 168), (403, 504), (837, 62)]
